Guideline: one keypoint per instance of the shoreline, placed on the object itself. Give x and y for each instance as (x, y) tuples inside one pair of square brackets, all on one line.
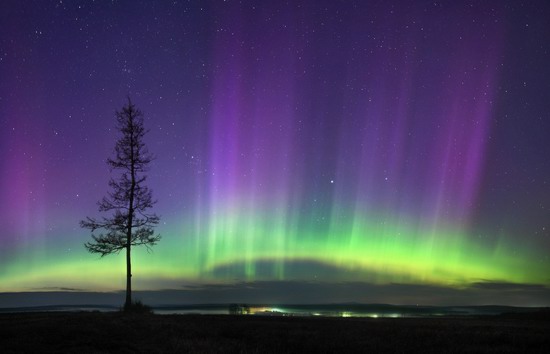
[(300, 310)]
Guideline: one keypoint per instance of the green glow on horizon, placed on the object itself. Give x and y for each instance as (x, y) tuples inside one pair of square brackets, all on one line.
[(378, 250), (394, 251)]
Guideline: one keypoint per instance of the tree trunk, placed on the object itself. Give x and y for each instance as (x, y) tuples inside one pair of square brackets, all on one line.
[(128, 302)]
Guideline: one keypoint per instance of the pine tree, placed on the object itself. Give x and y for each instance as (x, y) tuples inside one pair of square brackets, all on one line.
[(130, 223)]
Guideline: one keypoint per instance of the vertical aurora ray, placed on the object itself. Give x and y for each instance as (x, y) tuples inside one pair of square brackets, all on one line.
[(23, 194), (381, 181), (328, 141)]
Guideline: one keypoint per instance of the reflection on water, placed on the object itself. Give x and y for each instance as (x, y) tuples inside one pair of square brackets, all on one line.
[(332, 310), (163, 311), (343, 310)]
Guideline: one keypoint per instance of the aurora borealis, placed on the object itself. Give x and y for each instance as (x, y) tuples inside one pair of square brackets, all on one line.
[(323, 142)]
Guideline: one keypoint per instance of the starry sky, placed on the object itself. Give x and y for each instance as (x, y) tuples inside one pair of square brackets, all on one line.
[(348, 146)]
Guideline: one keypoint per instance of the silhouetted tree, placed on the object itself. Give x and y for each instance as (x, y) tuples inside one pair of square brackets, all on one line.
[(130, 224)]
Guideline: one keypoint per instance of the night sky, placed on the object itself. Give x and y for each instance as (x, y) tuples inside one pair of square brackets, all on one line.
[(379, 151)]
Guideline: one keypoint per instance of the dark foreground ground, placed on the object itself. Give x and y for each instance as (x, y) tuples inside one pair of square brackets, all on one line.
[(119, 333)]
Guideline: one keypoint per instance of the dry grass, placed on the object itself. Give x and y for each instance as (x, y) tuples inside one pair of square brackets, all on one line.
[(131, 333)]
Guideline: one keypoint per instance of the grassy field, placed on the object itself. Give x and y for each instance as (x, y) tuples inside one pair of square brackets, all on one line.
[(89, 332)]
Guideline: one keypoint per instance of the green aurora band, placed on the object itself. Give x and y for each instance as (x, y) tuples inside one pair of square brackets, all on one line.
[(382, 142), (376, 250)]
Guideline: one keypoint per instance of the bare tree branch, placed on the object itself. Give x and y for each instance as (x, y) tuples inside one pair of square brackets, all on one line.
[(129, 199)]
